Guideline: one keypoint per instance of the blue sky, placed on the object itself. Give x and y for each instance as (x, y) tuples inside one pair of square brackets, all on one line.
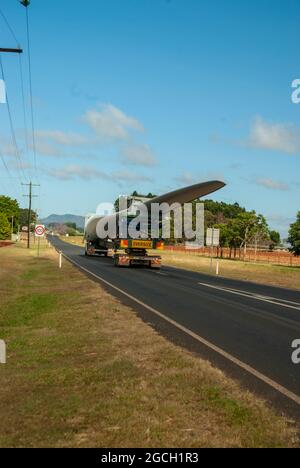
[(154, 95)]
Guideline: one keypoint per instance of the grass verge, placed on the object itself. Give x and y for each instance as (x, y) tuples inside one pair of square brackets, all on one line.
[(273, 275), (83, 370)]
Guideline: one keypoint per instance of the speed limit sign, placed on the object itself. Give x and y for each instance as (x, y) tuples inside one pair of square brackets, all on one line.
[(39, 230)]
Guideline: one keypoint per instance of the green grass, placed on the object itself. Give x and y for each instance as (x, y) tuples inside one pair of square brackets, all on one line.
[(27, 310)]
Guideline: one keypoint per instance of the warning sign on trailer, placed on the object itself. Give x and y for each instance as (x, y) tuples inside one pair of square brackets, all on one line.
[(39, 230)]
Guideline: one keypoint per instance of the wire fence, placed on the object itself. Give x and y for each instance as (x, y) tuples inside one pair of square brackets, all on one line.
[(277, 257)]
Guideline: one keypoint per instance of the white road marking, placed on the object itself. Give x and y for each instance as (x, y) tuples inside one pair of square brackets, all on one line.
[(258, 297), (266, 297), (284, 391)]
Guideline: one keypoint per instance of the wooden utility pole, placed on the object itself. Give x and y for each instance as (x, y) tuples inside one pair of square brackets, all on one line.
[(30, 196)]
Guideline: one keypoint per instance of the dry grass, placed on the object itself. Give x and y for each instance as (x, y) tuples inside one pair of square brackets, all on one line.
[(274, 275), (75, 240), (83, 370)]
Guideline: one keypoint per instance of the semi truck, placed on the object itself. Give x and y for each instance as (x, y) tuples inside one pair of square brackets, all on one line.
[(125, 252), (129, 252)]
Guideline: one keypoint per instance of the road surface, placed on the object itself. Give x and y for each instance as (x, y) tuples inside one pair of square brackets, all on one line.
[(242, 327)]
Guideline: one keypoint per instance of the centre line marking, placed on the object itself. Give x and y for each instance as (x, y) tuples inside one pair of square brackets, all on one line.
[(250, 295)]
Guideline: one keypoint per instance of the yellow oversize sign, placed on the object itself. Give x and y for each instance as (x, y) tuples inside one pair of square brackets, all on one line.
[(141, 244)]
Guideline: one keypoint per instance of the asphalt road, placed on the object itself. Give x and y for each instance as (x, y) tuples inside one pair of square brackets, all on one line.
[(242, 327)]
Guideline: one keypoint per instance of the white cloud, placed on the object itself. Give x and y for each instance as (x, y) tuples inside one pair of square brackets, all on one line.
[(186, 178), (45, 148), (139, 155), (6, 147), (110, 123), (282, 137), (72, 172), (52, 142), (272, 184), (128, 176), (61, 138), (16, 164)]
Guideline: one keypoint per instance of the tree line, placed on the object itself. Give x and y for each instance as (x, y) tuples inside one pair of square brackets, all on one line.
[(12, 217), (239, 228)]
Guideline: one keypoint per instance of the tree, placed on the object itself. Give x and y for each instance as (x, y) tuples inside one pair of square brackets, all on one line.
[(134, 194), (294, 236), (274, 239), (238, 232), (10, 209), (228, 210), (244, 228), (260, 232), (23, 217), (5, 228), (71, 231), (71, 226)]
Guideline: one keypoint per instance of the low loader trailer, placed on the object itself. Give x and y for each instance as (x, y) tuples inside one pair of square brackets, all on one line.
[(128, 252), (135, 253)]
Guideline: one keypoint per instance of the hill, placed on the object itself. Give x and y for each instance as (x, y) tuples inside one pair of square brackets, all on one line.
[(65, 218)]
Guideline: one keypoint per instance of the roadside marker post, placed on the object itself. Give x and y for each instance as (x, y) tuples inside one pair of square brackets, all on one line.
[(60, 259), (2, 352), (217, 267)]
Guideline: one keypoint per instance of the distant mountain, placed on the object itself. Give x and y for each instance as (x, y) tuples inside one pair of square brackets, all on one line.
[(65, 218)]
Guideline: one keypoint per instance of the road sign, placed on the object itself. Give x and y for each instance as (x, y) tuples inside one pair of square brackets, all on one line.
[(25, 229), (212, 237), (39, 230)]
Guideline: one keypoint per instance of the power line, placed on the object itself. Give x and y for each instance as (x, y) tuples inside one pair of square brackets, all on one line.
[(30, 89), (24, 107), (9, 27), (13, 134), (10, 177), (7, 170), (5, 165)]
